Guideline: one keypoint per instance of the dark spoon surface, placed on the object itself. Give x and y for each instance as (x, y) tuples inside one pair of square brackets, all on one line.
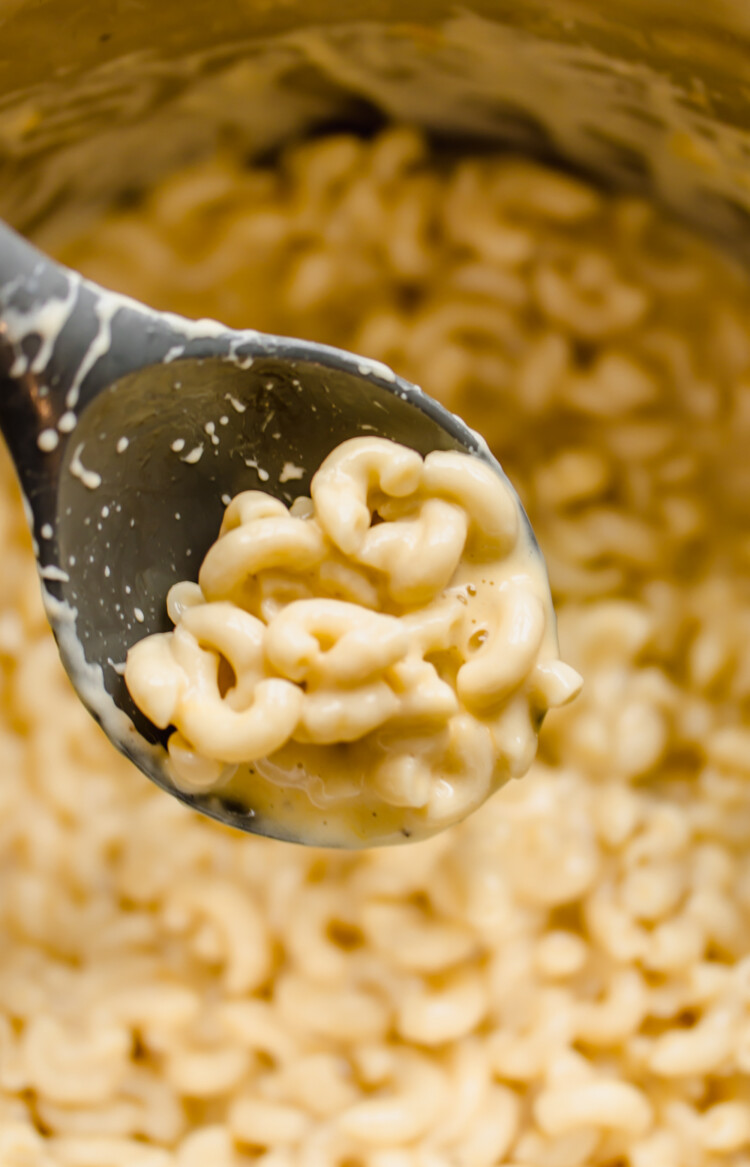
[(130, 429)]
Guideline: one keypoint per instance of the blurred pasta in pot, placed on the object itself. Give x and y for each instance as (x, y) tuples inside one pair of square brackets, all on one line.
[(564, 979)]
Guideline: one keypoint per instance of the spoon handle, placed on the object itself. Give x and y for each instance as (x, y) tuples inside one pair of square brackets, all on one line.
[(43, 330), (63, 340), (20, 263)]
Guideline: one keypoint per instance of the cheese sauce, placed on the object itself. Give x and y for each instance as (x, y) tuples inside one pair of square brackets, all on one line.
[(369, 665)]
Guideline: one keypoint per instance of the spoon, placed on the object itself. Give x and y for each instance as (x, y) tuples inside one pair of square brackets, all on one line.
[(131, 429)]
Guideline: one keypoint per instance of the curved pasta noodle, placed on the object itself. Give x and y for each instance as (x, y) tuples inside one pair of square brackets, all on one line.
[(188, 674), (609, 1104), (480, 492), (418, 555), (265, 542), (340, 716), (509, 653), (403, 1113), (341, 488), (360, 643)]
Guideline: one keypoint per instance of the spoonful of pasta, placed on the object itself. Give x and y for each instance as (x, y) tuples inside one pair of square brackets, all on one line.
[(298, 593)]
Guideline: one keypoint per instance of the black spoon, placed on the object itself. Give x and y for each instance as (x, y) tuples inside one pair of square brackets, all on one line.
[(130, 429)]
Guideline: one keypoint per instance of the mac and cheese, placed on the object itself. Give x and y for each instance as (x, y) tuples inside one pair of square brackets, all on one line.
[(386, 647), (562, 980)]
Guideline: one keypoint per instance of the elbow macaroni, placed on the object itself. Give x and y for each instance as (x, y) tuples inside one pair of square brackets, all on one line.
[(173, 994), (391, 637)]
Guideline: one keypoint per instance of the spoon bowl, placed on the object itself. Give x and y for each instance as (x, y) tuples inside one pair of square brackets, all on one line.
[(131, 429)]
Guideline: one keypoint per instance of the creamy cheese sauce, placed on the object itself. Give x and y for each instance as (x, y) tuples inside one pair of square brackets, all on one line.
[(369, 665)]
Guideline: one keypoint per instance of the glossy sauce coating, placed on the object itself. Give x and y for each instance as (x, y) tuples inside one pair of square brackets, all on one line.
[(368, 665)]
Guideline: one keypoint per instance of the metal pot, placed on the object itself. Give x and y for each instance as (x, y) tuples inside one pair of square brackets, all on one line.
[(649, 95)]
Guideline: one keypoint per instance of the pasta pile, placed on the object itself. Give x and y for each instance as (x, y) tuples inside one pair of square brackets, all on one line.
[(396, 671), (563, 979)]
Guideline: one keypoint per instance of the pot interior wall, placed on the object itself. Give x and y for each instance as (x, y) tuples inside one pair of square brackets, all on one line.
[(97, 101)]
